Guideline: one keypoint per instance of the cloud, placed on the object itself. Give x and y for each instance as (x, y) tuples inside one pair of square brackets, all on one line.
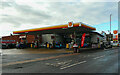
[(61, 1), (29, 14), (29, 11), (92, 13)]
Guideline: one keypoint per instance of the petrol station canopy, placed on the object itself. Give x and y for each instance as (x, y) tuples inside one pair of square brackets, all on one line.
[(59, 29)]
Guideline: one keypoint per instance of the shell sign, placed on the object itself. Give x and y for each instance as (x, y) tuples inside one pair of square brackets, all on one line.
[(116, 36), (70, 24), (115, 31)]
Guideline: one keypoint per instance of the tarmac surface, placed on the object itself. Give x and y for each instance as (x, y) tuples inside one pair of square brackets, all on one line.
[(34, 51), (60, 61)]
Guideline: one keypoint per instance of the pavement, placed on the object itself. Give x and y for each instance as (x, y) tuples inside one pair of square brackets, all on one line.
[(35, 51), (60, 61)]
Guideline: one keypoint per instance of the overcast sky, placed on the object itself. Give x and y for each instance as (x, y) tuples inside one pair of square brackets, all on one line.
[(27, 14)]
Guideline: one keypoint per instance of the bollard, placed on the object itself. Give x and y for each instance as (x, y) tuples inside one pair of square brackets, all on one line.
[(31, 45), (67, 46), (48, 45)]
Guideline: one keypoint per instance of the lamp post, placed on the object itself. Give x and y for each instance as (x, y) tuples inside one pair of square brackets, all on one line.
[(110, 23), (110, 27), (10, 38)]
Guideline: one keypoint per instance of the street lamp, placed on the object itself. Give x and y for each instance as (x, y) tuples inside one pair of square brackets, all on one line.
[(110, 26), (10, 38)]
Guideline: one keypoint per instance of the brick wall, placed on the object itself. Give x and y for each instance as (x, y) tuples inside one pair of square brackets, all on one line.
[(16, 38)]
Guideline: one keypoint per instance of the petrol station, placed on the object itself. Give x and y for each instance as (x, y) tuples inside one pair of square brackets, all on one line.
[(66, 35)]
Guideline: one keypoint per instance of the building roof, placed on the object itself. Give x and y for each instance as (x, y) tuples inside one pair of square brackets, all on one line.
[(98, 34), (57, 29)]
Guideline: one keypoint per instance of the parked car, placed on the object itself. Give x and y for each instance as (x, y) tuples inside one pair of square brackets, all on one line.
[(115, 43), (21, 46), (58, 46), (119, 44), (4, 46), (108, 44), (85, 45), (11, 45), (43, 45)]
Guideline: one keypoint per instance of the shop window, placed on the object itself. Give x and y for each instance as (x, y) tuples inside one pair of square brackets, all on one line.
[(52, 37)]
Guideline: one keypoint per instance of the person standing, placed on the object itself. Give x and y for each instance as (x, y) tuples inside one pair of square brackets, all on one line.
[(75, 47)]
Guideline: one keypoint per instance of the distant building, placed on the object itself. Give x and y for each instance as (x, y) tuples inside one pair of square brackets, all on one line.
[(18, 38), (0, 43), (0, 40), (119, 37), (108, 37)]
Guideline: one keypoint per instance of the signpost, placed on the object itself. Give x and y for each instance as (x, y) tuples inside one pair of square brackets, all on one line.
[(119, 37), (115, 37)]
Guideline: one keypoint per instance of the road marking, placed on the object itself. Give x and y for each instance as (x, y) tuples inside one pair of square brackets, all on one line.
[(73, 65), (99, 57), (65, 65), (88, 55), (105, 49), (96, 58), (38, 59)]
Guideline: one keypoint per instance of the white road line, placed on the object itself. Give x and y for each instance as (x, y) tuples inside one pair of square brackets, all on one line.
[(102, 56), (73, 64), (106, 49), (99, 57), (81, 62), (96, 57), (65, 65)]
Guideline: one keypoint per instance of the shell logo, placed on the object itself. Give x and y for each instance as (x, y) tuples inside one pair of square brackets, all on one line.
[(115, 31), (70, 24)]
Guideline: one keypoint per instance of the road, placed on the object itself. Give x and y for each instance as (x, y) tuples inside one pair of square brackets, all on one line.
[(93, 61)]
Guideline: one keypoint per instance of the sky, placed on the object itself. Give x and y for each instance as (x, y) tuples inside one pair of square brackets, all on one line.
[(26, 14)]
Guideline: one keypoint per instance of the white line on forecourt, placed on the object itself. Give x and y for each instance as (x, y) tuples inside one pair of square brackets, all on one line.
[(73, 64)]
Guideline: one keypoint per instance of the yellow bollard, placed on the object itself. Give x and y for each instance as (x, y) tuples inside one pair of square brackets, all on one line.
[(31, 45), (98, 45), (48, 45), (67, 45)]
